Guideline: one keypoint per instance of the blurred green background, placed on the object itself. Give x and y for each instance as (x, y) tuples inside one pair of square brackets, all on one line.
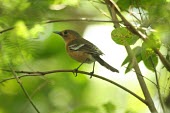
[(32, 46)]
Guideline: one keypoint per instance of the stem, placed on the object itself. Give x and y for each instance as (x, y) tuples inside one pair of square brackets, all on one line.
[(65, 20), (142, 83), (158, 86), (132, 29), (24, 90), (113, 10), (38, 73)]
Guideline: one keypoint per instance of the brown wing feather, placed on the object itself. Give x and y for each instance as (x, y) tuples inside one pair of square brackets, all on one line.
[(84, 45)]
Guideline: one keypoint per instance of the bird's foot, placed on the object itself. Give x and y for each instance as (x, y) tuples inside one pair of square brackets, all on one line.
[(91, 74), (75, 72)]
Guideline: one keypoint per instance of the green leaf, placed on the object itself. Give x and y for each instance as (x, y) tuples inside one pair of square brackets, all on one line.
[(137, 51), (129, 67), (152, 42), (149, 58), (123, 36), (151, 62), (124, 4), (109, 107)]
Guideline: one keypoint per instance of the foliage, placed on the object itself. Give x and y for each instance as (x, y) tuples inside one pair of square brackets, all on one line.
[(27, 43), (123, 37)]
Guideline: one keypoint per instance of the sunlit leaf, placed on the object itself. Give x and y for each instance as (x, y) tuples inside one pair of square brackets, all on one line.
[(123, 37), (21, 29), (57, 7), (34, 32), (66, 2)]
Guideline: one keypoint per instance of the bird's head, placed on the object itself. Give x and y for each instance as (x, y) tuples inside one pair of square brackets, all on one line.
[(68, 34)]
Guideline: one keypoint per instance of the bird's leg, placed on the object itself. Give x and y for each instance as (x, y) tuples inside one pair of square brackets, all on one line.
[(91, 73), (75, 70)]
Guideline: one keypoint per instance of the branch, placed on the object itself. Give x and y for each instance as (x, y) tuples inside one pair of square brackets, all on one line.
[(5, 30), (80, 19), (39, 73), (24, 90), (142, 83), (65, 20), (33, 93), (158, 86), (113, 9), (131, 28)]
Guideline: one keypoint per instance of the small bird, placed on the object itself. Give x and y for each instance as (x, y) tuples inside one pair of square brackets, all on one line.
[(82, 50)]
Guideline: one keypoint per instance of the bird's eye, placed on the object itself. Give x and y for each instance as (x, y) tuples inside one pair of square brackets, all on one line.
[(65, 32)]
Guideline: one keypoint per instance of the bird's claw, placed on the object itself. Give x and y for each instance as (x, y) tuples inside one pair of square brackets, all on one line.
[(75, 72), (91, 74)]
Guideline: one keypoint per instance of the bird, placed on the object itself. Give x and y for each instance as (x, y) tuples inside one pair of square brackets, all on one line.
[(82, 50)]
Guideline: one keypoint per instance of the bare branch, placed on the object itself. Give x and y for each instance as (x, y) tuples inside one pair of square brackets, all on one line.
[(131, 28), (65, 20), (80, 19), (5, 30), (39, 73), (158, 86), (24, 90), (113, 9)]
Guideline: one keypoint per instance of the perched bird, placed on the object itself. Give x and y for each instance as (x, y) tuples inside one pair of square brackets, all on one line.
[(82, 50)]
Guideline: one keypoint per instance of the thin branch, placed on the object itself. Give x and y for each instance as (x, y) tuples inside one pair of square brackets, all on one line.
[(24, 90), (100, 10), (65, 20), (132, 14), (114, 12), (5, 30), (145, 78), (142, 83), (80, 19), (164, 61), (33, 93), (158, 86), (128, 25), (131, 28), (39, 73)]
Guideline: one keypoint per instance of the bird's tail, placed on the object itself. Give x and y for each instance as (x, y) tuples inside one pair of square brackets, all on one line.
[(103, 63)]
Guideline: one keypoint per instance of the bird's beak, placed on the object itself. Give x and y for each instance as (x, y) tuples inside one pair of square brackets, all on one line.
[(57, 32)]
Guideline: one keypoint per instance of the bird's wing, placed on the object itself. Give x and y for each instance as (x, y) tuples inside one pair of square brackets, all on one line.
[(86, 46)]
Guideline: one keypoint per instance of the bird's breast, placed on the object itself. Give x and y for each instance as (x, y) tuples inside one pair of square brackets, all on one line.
[(80, 56)]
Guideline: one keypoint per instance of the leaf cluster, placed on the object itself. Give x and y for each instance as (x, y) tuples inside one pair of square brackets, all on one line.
[(143, 53)]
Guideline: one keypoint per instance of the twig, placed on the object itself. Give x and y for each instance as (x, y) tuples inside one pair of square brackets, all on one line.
[(65, 20), (38, 73), (145, 78), (142, 83), (158, 86), (24, 90), (131, 28), (80, 19), (33, 93), (114, 12), (100, 10), (5, 30)]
